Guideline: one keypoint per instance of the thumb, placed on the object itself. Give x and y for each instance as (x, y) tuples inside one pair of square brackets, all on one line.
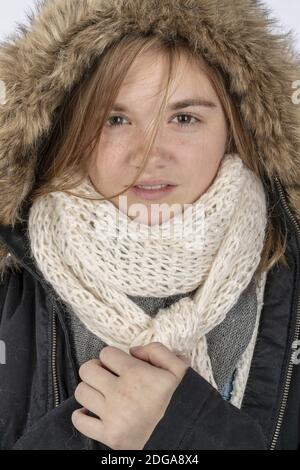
[(159, 355), (139, 352)]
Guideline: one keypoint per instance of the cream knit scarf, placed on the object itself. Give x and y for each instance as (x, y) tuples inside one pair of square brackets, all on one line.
[(93, 254)]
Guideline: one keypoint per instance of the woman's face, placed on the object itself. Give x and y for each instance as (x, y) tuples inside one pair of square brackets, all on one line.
[(188, 148)]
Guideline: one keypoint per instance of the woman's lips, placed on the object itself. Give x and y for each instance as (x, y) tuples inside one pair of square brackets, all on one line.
[(152, 194)]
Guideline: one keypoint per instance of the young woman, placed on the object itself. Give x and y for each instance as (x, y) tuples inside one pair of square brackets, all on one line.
[(150, 197)]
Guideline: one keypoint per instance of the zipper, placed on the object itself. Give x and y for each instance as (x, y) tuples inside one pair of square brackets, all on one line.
[(54, 359), (296, 334), (54, 368)]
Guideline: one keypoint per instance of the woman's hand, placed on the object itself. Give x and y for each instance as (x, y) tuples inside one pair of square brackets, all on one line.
[(129, 394)]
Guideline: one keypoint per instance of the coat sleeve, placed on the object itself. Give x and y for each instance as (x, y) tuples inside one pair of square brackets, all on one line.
[(198, 418), (55, 431)]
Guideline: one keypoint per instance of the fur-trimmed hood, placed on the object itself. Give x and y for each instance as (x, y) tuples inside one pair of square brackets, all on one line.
[(45, 58)]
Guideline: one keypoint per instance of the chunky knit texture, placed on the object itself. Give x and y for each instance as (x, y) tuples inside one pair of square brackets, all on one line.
[(95, 256)]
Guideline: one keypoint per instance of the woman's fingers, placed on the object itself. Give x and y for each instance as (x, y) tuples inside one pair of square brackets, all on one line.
[(90, 399)]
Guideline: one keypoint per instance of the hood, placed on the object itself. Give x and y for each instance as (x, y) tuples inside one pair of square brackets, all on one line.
[(43, 59)]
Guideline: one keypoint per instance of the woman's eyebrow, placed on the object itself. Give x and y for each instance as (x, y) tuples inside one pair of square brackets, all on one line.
[(185, 103)]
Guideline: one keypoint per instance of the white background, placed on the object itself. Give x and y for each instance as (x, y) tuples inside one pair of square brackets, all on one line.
[(287, 11)]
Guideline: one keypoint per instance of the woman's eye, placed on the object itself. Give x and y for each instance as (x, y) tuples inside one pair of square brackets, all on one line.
[(186, 123), (112, 120)]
